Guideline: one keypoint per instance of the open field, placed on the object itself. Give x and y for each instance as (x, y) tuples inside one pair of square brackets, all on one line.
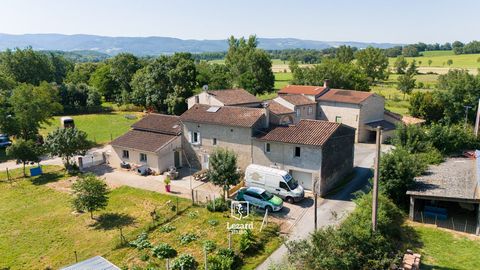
[(39, 229), (100, 127), (441, 249)]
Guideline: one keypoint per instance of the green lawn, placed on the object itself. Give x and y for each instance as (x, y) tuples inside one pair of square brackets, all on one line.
[(39, 230), (440, 58), (442, 249), (101, 128)]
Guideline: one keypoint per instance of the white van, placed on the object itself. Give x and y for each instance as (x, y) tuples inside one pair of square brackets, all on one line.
[(275, 181)]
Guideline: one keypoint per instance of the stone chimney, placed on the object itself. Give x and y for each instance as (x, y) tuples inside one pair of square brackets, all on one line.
[(326, 83), (267, 114)]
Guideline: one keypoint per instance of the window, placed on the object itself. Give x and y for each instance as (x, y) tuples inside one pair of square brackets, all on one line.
[(143, 157), (197, 99), (338, 119), (267, 147), (195, 138), (310, 110), (214, 141), (297, 151), (284, 186), (125, 154), (298, 112)]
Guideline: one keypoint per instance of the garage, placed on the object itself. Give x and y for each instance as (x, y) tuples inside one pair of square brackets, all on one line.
[(303, 178)]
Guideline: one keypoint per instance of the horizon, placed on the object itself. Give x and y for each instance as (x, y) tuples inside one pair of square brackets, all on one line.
[(403, 22)]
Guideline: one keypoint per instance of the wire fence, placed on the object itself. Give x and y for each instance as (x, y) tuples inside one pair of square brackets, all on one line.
[(460, 224)]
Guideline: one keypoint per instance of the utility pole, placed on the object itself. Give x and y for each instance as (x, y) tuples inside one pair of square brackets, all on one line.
[(477, 120), (315, 199), (375, 179), (466, 114)]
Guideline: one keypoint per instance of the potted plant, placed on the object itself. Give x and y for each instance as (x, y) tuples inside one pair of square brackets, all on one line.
[(167, 183)]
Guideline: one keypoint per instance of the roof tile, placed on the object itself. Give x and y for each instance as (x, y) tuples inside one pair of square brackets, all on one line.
[(231, 97), (143, 140), (161, 123), (345, 96), (225, 115)]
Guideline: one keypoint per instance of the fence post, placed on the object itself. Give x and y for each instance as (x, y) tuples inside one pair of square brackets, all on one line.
[(205, 250), (453, 224), (421, 213), (176, 209), (229, 239), (8, 177), (466, 221)]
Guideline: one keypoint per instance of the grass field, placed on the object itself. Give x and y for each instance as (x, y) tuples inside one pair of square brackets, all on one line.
[(39, 229), (444, 250), (440, 58), (101, 127)]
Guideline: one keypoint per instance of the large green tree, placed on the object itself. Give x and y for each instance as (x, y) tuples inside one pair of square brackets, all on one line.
[(341, 75), (81, 73), (374, 63), (249, 67), (400, 64), (345, 54), (214, 75), (122, 68), (102, 80), (406, 83), (25, 151), (67, 143), (89, 194), (222, 169), (32, 106), (165, 83), (27, 66)]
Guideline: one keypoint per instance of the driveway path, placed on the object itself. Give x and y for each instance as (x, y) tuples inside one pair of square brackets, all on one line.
[(332, 209)]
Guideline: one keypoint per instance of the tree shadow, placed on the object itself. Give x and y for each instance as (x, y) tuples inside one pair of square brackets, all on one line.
[(110, 221), (46, 178)]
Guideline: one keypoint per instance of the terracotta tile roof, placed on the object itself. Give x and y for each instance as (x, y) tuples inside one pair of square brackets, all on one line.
[(406, 119), (302, 89), (234, 96), (161, 123), (277, 108), (307, 132), (345, 96), (143, 140), (224, 115), (298, 100)]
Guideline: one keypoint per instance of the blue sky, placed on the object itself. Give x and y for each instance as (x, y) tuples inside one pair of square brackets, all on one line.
[(334, 20)]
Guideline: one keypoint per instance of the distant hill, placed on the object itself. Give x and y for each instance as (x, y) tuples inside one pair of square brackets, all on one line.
[(80, 56), (156, 45)]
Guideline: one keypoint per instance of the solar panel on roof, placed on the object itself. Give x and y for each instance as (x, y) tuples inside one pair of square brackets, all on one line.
[(213, 109)]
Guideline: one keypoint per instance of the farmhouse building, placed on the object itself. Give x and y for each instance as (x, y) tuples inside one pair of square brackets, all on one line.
[(154, 141), (227, 97), (448, 195)]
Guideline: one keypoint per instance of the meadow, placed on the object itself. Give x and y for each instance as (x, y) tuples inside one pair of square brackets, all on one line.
[(440, 58), (40, 229)]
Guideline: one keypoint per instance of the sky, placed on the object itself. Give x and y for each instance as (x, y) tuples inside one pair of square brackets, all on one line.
[(396, 21)]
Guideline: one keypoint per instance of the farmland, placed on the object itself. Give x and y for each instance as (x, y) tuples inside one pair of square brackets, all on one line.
[(51, 233)]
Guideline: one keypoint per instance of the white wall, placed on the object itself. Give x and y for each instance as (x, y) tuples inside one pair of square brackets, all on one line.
[(350, 113), (204, 98)]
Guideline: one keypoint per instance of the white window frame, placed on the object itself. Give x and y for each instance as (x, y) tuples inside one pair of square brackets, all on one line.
[(143, 159), (192, 138), (310, 110), (268, 147), (298, 112)]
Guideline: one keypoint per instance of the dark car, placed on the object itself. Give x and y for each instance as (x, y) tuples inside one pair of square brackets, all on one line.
[(4, 141)]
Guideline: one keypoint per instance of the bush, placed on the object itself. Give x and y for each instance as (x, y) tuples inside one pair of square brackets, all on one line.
[(164, 251), (209, 245), (213, 222), (193, 214), (225, 259), (187, 238), (186, 261), (167, 228), (450, 139), (141, 242), (218, 205), (248, 243)]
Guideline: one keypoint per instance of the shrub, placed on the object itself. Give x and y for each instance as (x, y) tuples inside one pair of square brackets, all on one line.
[(144, 257), (450, 139), (186, 261), (248, 244), (167, 228), (209, 245), (213, 222), (193, 214), (164, 251), (225, 259), (187, 238), (141, 242), (218, 205)]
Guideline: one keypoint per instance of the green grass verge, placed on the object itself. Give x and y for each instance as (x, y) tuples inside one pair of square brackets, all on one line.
[(39, 229), (440, 58), (442, 249), (101, 128)]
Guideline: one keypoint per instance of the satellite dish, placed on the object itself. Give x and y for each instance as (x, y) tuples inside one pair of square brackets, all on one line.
[(205, 87)]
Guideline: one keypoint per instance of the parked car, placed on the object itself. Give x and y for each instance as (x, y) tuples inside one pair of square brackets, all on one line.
[(276, 181), (4, 141), (260, 198)]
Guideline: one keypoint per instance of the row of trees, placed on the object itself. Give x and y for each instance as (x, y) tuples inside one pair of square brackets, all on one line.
[(371, 65), (468, 48)]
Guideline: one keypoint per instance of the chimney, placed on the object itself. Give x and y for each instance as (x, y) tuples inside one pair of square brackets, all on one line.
[(326, 83), (267, 114)]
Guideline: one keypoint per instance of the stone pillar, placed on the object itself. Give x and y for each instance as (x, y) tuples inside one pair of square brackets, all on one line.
[(478, 220), (411, 213)]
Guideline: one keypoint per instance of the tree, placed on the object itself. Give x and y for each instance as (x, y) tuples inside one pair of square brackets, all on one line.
[(398, 169), (430, 62), (89, 194), (32, 106), (340, 75), (410, 51), (427, 105), (27, 66), (67, 143), (249, 67), (406, 83), (164, 251), (25, 151), (214, 75), (412, 68), (223, 168), (102, 80), (61, 67), (165, 83), (81, 73), (449, 62), (374, 63), (457, 47), (401, 64), (345, 54), (122, 68)]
